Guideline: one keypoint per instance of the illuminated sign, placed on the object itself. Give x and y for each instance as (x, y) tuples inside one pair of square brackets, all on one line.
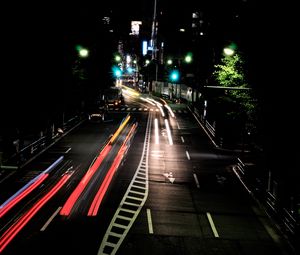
[(135, 27)]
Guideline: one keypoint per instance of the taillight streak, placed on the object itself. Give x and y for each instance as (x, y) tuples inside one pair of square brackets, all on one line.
[(26, 189), (83, 183), (104, 186), (20, 196), (17, 227)]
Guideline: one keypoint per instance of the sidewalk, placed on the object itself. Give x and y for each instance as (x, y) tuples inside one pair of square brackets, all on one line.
[(33, 148)]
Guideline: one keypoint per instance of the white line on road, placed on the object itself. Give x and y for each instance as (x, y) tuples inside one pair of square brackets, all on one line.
[(196, 180), (178, 125), (212, 225), (182, 139), (188, 155), (150, 226), (51, 218)]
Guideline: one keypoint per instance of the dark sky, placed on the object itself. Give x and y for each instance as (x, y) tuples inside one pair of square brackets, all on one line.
[(32, 36)]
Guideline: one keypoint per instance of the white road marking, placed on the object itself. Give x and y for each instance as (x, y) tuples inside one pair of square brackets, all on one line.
[(178, 125), (150, 226), (212, 225), (188, 155), (196, 180), (182, 139), (50, 219)]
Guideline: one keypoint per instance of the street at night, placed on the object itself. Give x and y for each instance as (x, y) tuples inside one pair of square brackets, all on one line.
[(154, 131)]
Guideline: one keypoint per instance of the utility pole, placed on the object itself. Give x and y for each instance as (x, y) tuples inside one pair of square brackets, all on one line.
[(154, 33), (154, 39)]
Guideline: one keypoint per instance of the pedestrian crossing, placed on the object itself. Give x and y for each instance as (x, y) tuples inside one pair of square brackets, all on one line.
[(142, 109)]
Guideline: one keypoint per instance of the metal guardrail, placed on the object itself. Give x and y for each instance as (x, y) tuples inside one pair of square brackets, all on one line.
[(31, 150)]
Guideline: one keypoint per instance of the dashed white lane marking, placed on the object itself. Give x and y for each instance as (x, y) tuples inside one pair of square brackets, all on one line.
[(182, 139), (150, 226), (212, 225), (196, 180), (188, 155), (50, 219)]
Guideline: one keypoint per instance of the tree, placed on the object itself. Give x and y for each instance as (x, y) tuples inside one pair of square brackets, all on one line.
[(238, 100)]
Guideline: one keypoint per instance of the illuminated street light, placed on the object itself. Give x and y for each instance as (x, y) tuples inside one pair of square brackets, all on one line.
[(228, 51), (188, 58), (169, 61), (83, 52), (117, 58)]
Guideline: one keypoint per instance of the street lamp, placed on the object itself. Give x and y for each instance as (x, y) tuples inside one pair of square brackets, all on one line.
[(83, 52), (228, 51), (188, 58)]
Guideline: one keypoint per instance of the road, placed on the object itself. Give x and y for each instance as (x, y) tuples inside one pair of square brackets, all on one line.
[(171, 192)]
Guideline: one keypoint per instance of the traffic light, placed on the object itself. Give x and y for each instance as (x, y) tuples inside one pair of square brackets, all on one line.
[(117, 72), (174, 75)]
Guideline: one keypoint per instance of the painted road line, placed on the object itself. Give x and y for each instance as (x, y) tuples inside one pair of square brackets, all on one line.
[(196, 180), (178, 125), (182, 139), (150, 226), (212, 225), (188, 155), (50, 219)]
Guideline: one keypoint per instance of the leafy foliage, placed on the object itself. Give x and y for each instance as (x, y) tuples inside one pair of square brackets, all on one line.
[(230, 73)]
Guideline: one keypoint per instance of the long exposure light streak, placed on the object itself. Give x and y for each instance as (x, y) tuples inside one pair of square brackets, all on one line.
[(107, 180), (27, 189), (10, 233), (168, 132)]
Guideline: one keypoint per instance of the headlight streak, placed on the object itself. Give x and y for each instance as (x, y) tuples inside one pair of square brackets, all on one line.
[(148, 101), (10, 233), (161, 110), (170, 110), (107, 180), (156, 131), (168, 132), (26, 189)]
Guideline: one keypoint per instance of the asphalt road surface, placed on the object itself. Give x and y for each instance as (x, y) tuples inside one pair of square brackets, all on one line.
[(171, 192)]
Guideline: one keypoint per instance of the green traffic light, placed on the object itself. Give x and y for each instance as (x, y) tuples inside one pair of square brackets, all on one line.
[(174, 75), (117, 72)]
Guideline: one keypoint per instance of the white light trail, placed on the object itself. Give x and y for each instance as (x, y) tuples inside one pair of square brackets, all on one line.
[(170, 110), (168, 132), (161, 110), (156, 131)]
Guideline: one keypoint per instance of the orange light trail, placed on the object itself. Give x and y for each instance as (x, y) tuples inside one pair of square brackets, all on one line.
[(107, 180)]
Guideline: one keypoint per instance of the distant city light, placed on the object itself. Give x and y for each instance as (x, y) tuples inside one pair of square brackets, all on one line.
[(135, 27), (145, 48), (129, 70)]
